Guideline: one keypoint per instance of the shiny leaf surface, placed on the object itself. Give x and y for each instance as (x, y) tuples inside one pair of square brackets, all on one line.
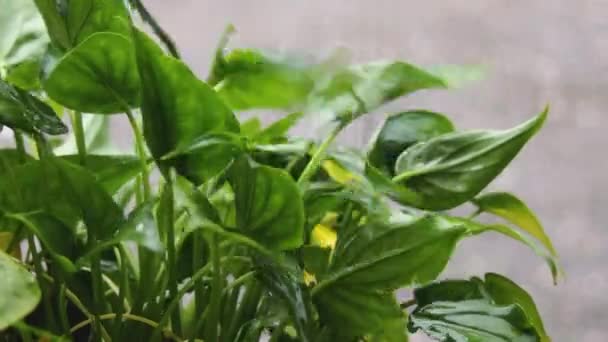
[(451, 169), (402, 130)]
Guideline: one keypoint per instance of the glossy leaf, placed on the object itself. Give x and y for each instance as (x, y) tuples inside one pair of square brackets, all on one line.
[(177, 108), (20, 291), (23, 36), (451, 169), (97, 76), (492, 310), (25, 75), (250, 79), (514, 210), (362, 88), (21, 110), (269, 207), (504, 291), (402, 130), (388, 256)]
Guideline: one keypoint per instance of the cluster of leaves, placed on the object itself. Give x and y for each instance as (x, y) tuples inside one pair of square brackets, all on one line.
[(247, 232)]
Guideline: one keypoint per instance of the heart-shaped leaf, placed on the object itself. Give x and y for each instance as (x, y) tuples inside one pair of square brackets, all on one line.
[(269, 207), (451, 169), (177, 108), (97, 76), (20, 291)]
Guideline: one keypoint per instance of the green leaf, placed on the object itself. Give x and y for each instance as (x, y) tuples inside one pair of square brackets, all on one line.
[(269, 207), (25, 75), (355, 311), (277, 129), (20, 291), (473, 320), (282, 282), (23, 36), (385, 256), (492, 310), (515, 234), (402, 130), (456, 76), (514, 210), (70, 22), (20, 110), (251, 127), (177, 108), (97, 76), (111, 172), (315, 259), (63, 190), (362, 88), (504, 292), (251, 79), (451, 169)]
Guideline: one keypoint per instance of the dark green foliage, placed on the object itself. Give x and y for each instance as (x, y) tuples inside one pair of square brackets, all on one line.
[(247, 231)]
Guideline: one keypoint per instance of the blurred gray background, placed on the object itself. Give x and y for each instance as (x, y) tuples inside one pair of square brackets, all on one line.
[(539, 52)]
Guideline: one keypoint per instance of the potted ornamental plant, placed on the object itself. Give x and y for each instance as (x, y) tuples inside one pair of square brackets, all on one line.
[(220, 228)]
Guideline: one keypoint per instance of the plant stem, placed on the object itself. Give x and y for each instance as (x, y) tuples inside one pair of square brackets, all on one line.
[(197, 263), (169, 229), (141, 152), (187, 287), (46, 299), (158, 31), (318, 156), (211, 333), (96, 281), (63, 310), (128, 316), (79, 135)]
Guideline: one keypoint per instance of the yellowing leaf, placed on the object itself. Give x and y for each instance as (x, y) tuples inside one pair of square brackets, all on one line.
[(338, 173), (324, 236), (309, 278)]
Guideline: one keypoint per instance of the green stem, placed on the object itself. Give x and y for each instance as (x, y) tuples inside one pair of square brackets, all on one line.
[(211, 333), (96, 281), (318, 156), (156, 28), (128, 316), (169, 229), (63, 310), (197, 263), (46, 299), (187, 287), (78, 129), (141, 152), (124, 283)]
